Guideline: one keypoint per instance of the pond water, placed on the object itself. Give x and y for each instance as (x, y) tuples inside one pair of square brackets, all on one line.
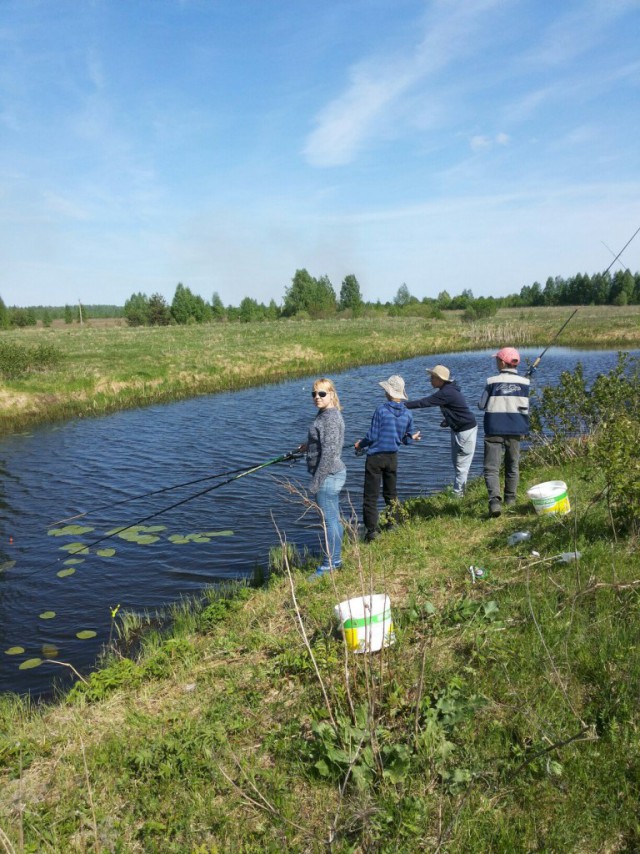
[(86, 466)]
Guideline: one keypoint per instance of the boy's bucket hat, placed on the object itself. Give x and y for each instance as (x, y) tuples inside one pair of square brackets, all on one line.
[(394, 387), (441, 373), (509, 355)]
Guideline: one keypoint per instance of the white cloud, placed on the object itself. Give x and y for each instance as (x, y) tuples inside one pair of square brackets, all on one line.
[(477, 143), (480, 142), (376, 84)]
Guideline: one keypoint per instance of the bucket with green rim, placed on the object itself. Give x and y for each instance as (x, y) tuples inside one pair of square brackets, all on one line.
[(366, 622), (550, 497)]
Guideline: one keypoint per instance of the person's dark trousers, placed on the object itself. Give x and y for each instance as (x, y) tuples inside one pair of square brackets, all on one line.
[(379, 468), (494, 449)]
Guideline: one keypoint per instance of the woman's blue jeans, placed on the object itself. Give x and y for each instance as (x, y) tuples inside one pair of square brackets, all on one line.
[(328, 500)]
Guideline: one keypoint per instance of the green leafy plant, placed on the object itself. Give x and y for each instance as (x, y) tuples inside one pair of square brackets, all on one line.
[(17, 359), (601, 423)]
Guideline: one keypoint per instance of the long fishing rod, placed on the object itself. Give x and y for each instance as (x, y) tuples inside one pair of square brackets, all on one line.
[(291, 456), (622, 250), (149, 494), (611, 252), (534, 367)]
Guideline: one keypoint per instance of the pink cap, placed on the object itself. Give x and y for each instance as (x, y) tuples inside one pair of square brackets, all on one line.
[(509, 356)]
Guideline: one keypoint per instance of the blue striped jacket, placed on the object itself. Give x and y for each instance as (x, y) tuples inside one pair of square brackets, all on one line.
[(505, 401)]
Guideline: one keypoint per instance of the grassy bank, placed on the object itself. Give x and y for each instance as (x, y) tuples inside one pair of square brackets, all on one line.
[(504, 718), (102, 369)]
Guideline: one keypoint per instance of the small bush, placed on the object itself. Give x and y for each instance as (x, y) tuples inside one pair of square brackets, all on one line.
[(17, 360), (601, 424)]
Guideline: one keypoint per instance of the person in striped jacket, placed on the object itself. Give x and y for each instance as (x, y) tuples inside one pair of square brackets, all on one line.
[(505, 401)]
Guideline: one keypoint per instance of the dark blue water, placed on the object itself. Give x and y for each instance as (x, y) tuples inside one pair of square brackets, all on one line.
[(60, 471)]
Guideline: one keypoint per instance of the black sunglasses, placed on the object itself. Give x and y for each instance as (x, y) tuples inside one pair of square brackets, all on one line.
[(315, 394)]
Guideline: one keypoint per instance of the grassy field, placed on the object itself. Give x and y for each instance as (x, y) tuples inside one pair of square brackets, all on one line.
[(105, 368), (505, 718)]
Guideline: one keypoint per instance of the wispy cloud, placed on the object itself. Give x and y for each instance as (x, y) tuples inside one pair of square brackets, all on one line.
[(576, 29), (375, 85), (479, 142)]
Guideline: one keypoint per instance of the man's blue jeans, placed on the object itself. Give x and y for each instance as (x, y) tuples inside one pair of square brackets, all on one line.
[(328, 500)]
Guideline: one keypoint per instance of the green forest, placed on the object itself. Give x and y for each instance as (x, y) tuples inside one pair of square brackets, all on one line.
[(308, 297)]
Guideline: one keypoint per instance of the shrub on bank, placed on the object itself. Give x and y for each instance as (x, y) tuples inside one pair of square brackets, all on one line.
[(17, 360)]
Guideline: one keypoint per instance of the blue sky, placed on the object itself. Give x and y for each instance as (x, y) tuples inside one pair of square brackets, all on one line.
[(445, 144)]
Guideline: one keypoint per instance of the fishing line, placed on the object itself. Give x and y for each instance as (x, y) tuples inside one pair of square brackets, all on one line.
[(149, 494), (533, 368), (621, 251), (292, 456)]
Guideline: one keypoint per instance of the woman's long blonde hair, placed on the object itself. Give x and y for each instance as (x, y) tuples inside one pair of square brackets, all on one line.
[(323, 384)]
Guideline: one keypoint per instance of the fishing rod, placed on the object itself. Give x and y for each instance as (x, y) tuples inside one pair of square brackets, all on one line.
[(611, 252), (534, 367), (149, 494), (291, 456), (621, 251)]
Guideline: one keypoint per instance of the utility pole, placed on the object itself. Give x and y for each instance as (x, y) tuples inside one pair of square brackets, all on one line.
[(80, 309)]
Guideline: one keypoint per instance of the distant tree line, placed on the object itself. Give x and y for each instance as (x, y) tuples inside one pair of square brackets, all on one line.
[(16, 317), (308, 297)]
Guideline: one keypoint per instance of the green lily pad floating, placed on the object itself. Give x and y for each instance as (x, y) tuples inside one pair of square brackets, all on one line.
[(30, 663), (47, 615), (106, 552), (8, 564), (14, 650), (198, 536), (73, 561), (75, 548), (50, 650), (70, 530), (135, 533), (85, 634), (65, 572), (146, 539)]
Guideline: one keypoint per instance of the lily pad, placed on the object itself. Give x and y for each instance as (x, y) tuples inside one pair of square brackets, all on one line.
[(30, 663), (85, 634), (73, 561), (106, 552), (47, 615), (115, 531), (8, 564), (65, 572), (135, 533), (14, 650), (75, 548), (70, 530), (50, 650), (146, 539), (178, 538)]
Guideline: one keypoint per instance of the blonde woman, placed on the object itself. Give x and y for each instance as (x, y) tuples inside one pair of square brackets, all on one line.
[(328, 472)]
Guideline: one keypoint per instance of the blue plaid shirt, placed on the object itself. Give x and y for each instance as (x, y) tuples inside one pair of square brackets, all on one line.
[(391, 426)]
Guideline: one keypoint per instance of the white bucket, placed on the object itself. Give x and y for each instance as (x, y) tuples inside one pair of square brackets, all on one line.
[(550, 497), (366, 622)]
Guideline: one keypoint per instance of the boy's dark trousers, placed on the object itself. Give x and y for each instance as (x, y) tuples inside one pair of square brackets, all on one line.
[(379, 468), (495, 447)]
